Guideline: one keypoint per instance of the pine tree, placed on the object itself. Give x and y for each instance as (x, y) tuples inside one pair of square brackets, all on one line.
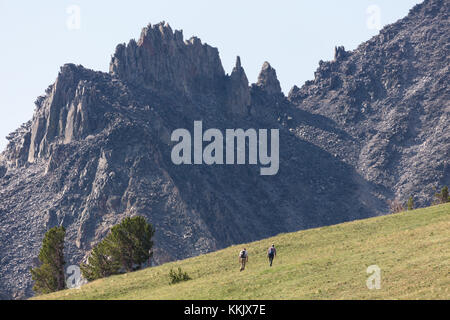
[(49, 276), (128, 244), (100, 264)]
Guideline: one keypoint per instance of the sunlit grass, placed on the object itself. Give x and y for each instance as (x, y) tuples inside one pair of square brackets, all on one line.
[(411, 248)]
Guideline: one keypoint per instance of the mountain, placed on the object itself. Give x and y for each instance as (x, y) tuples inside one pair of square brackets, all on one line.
[(304, 268), (372, 126), (391, 97)]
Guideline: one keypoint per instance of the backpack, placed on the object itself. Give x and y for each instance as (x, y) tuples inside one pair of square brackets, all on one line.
[(271, 251), (242, 254)]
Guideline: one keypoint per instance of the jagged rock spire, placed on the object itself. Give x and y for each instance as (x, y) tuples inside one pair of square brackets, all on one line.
[(339, 53), (238, 68), (161, 59), (267, 79), (239, 90), (238, 63)]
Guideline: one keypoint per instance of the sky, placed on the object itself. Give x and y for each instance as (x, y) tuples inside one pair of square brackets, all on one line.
[(38, 37)]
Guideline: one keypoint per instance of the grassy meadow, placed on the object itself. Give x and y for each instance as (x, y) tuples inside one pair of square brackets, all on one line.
[(411, 248)]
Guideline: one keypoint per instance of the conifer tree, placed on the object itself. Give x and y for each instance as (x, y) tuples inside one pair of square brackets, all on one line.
[(100, 264), (49, 276), (127, 245), (130, 242)]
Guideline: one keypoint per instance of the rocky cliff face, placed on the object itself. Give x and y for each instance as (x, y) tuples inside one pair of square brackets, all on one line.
[(391, 97), (162, 61), (370, 127)]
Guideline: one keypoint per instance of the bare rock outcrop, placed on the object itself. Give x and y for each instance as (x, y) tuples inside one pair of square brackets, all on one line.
[(268, 81), (391, 98), (239, 91), (163, 60)]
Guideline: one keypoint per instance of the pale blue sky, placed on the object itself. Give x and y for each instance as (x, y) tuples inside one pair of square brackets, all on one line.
[(293, 35)]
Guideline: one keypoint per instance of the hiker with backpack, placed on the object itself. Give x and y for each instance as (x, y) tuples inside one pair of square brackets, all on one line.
[(271, 253), (243, 258)]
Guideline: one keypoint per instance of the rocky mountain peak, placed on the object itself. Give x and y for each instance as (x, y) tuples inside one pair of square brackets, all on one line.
[(339, 53), (238, 70), (238, 65), (386, 93), (239, 90), (161, 59), (268, 81), (60, 116)]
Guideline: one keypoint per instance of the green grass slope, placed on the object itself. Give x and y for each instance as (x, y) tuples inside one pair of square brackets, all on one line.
[(412, 249)]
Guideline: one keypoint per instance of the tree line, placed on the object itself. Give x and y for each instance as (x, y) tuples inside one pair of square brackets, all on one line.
[(126, 248)]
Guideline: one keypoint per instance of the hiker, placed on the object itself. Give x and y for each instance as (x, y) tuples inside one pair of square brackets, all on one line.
[(271, 253), (243, 258)]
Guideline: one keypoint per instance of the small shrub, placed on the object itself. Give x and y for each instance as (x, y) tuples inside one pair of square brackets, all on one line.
[(178, 277)]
